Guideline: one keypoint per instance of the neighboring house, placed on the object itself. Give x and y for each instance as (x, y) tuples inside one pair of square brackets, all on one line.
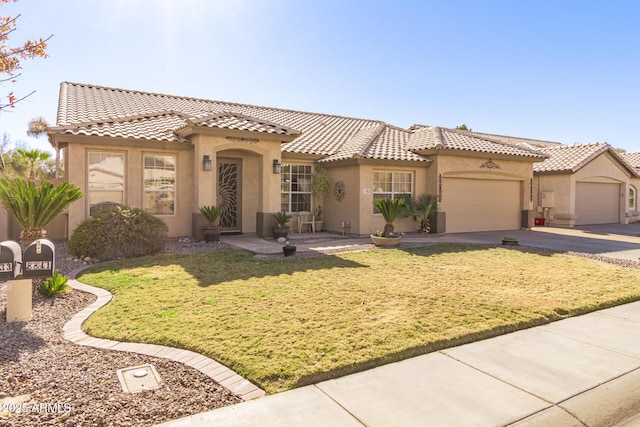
[(633, 159), (169, 155), (582, 184), (586, 184)]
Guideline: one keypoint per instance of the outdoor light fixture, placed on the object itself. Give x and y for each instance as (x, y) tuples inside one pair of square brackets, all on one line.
[(206, 163), (277, 167)]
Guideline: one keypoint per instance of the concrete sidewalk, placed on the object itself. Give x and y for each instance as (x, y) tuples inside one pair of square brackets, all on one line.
[(584, 369), (580, 371)]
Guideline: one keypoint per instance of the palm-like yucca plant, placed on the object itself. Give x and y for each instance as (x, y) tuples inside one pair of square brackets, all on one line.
[(389, 208), (35, 206), (211, 213), (419, 211)]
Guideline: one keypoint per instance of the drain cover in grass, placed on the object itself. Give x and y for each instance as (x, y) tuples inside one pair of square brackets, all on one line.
[(139, 378)]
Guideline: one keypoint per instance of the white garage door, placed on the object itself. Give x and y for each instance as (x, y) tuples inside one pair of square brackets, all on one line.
[(597, 203), (481, 205)]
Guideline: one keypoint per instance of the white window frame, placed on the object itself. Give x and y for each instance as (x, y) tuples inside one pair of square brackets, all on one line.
[(302, 181), (98, 189), (395, 183), (632, 198), (169, 192)]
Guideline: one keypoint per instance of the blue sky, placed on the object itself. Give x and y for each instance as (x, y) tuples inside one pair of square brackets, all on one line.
[(563, 71)]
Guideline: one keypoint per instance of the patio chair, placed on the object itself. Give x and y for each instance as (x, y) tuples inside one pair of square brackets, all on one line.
[(306, 218)]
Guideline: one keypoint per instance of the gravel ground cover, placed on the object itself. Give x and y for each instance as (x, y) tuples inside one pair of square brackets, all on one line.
[(47, 380)]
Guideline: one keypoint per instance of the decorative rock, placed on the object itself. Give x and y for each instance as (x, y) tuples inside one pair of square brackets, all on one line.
[(281, 239)]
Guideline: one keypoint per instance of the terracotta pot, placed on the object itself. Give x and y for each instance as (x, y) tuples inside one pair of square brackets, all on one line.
[(385, 241)]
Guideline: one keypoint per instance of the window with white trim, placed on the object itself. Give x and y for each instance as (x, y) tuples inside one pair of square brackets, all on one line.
[(159, 184), (632, 199), (391, 185), (295, 187), (105, 180)]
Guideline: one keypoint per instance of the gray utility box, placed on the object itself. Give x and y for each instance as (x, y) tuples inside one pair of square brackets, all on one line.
[(10, 259), (38, 259)]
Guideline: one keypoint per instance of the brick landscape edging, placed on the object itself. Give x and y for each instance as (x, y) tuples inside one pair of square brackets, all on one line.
[(221, 374)]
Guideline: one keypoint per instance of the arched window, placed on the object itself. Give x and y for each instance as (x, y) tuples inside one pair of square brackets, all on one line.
[(632, 199)]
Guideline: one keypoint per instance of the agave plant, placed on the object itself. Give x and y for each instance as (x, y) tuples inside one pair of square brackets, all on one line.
[(33, 207), (419, 211), (389, 208)]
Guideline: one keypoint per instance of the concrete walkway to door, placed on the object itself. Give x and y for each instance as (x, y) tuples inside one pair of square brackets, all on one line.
[(620, 241)]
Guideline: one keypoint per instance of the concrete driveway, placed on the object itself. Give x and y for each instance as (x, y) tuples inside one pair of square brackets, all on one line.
[(611, 240)]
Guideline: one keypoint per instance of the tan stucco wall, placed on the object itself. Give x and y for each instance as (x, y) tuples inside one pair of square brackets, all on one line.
[(633, 215), (4, 224), (263, 186), (357, 205), (76, 170), (195, 187), (604, 168)]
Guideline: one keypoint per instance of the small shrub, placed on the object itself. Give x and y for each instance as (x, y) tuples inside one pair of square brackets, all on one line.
[(54, 285), (118, 232)]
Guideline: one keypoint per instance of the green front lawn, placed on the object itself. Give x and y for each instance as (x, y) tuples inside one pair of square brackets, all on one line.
[(284, 323)]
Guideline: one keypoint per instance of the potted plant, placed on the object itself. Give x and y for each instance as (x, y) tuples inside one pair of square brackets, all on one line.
[(288, 249), (319, 188), (389, 208), (281, 229), (510, 241), (211, 231)]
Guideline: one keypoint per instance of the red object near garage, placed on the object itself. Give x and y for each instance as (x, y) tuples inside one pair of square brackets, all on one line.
[(539, 221)]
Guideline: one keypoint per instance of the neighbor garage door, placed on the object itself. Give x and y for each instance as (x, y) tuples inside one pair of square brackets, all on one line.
[(481, 205), (597, 203)]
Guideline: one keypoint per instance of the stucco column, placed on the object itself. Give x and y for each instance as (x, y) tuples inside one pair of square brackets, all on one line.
[(19, 297)]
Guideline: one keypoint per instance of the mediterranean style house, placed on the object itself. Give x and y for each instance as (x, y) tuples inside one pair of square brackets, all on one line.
[(169, 155)]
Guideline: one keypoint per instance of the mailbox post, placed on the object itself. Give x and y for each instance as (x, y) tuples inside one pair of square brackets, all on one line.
[(37, 261)]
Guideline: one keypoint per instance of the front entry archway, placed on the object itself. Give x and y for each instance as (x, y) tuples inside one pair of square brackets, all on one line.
[(229, 194)]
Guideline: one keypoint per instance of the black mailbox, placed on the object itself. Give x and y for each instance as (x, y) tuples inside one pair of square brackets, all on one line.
[(38, 259), (10, 259)]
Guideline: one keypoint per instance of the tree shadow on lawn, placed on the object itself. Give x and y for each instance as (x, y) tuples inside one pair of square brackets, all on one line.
[(224, 265)]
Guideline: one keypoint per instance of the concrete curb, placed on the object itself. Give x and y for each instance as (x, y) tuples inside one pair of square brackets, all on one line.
[(616, 402), (221, 374)]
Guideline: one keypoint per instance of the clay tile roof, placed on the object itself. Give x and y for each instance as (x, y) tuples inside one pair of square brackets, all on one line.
[(433, 137), (102, 111), (377, 142), (231, 120), (525, 142), (570, 158), (632, 158), (159, 127)]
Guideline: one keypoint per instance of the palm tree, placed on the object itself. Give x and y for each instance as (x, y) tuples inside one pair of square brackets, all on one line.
[(34, 157), (419, 211), (33, 207), (389, 208), (37, 127)]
